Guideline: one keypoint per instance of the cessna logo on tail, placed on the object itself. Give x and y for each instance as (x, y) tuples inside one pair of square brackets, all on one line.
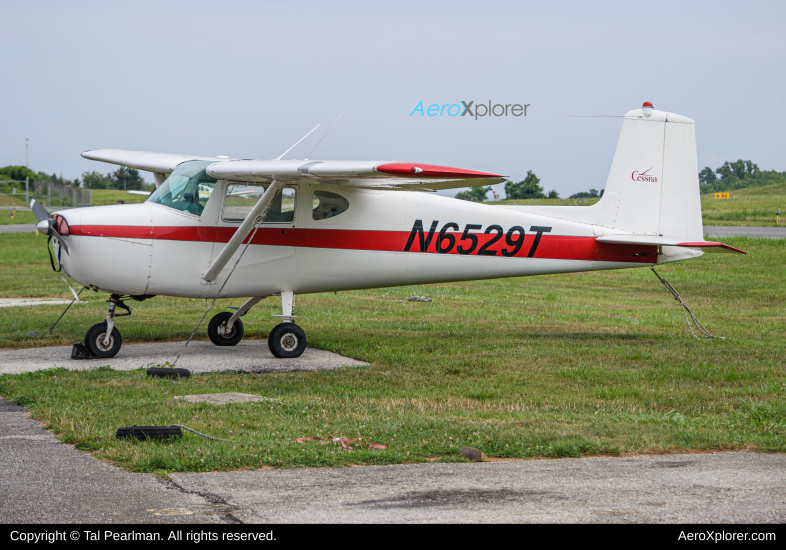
[(642, 176)]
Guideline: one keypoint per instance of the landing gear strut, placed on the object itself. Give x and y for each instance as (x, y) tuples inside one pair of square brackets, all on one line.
[(287, 340), (103, 340)]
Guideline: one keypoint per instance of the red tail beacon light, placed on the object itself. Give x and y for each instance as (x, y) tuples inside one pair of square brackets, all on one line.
[(647, 108)]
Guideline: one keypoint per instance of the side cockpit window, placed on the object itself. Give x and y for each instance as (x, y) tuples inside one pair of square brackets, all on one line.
[(187, 188), (328, 205), (240, 199)]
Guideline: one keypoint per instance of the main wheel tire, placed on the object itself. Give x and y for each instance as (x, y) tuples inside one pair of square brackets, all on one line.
[(94, 341), (286, 341), (216, 330)]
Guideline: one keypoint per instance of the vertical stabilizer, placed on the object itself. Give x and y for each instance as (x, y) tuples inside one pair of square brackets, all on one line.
[(654, 177), (653, 185)]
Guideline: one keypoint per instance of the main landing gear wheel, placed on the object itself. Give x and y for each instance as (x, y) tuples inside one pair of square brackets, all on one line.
[(94, 340), (218, 333), (286, 341)]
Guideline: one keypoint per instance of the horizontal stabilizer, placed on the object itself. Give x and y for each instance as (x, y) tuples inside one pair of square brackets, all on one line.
[(707, 246)]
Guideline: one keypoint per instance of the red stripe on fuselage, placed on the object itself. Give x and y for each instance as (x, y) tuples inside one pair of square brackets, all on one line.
[(560, 247)]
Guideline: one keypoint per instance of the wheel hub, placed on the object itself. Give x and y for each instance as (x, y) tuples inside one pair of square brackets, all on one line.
[(100, 342), (222, 330), (289, 341)]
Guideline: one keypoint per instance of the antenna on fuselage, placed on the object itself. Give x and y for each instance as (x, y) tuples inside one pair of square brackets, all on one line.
[(323, 137), (298, 141)]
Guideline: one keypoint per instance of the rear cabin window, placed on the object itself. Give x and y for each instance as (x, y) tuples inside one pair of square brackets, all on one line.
[(240, 199), (328, 205)]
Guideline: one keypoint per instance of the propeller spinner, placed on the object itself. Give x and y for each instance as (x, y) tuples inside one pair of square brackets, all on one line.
[(46, 223)]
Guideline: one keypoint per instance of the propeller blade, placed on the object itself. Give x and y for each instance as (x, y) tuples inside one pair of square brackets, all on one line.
[(59, 238), (39, 211)]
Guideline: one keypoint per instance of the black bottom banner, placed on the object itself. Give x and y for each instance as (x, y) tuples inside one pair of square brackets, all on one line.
[(461, 535)]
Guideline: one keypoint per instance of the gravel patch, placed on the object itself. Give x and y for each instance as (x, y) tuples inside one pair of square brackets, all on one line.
[(252, 356), (14, 302), (223, 398)]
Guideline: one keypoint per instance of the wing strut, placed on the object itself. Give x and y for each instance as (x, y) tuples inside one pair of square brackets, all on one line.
[(259, 211)]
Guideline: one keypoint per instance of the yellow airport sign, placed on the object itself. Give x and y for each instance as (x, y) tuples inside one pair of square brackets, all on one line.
[(721, 195)]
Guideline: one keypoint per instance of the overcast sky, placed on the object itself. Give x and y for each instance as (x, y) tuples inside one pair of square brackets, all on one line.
[(248, 79)]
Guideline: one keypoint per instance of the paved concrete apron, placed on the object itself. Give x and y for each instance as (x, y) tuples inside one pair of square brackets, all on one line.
[(248, 356), (725, 487), (43, 481)]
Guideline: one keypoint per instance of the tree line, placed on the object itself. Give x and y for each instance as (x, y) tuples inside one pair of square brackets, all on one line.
[(528, 188), (737, 175), (126, 179), (731, 175)]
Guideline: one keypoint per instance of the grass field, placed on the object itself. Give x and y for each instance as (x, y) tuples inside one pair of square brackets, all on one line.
[(755, 206), (99, 197), (567, 365), (8, 217)]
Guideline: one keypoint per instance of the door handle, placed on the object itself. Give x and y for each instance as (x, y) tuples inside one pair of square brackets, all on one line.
[(285, 231)]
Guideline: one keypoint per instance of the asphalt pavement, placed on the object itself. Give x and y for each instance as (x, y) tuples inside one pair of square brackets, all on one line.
[(43, 481), (739, 487), (732, 231), (17, 228)]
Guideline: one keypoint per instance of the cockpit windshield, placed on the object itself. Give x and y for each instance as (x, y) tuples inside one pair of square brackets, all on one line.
[(187, 188)]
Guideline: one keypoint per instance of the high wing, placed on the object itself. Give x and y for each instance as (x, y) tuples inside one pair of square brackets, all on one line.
[(366, 174), (160, 163)]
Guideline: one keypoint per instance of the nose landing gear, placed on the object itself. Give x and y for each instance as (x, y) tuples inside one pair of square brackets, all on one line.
[(103, 339)]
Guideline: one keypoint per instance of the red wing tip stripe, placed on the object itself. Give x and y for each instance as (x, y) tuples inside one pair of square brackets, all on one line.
[(414, 170), (709, 244)]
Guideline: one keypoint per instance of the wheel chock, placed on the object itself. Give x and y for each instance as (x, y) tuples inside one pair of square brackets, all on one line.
[(149, 432), (164, 372), (79, 351)]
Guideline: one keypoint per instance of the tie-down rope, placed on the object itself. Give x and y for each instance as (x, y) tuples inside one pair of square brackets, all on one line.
[(686, 311), (196, 432), (258, 221)]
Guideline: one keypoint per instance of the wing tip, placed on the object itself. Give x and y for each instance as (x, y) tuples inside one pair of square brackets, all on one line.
[(418, 170)]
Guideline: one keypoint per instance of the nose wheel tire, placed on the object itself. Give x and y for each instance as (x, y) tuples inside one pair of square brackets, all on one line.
[(218, 333), (286, 341), (94, 341)]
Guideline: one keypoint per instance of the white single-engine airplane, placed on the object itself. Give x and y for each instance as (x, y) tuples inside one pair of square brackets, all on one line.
[(229, 228)]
